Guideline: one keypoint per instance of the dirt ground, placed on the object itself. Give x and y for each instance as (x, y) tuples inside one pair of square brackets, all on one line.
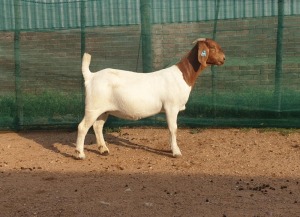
[(223, 172)]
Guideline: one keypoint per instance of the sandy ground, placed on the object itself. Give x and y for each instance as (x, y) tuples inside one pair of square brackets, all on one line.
[(223, 172)]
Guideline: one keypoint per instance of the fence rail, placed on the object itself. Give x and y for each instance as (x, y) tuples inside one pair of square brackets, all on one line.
[(62, 14)]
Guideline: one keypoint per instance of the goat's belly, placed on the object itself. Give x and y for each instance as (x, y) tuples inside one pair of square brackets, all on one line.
[(128, 116), (136, 112)]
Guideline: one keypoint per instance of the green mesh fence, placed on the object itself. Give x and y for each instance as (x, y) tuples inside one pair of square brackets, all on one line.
[(41, 43)]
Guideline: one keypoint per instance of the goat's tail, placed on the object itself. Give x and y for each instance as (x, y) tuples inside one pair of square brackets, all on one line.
[(86, 60)]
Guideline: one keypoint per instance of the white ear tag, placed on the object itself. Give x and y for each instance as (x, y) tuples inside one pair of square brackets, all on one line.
[(203, 53)]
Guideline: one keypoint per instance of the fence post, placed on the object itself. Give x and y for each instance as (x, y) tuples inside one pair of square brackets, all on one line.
[(82, 25), (82, 44), (213, 75), (19, 102), (145, 11), (278, 68)]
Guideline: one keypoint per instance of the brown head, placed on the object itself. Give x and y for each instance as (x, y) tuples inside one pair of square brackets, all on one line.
[(205, 52)]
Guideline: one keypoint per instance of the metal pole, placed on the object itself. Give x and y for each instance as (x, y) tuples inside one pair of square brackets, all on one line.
[(278, 69), (19, 101), (145, 9), (217, 5), (213, 75), (82, 48), (82, 25)]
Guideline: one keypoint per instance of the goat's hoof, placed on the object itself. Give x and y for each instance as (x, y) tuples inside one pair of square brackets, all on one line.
[(177, 155), (103, 151), (80, 156)]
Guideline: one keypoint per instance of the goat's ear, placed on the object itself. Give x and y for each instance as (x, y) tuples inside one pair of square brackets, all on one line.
[(203, 53)]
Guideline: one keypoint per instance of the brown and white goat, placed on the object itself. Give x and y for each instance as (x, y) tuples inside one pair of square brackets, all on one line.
[(133, 96)]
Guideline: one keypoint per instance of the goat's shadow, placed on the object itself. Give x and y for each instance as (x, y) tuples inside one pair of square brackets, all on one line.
[(119, 141), (52, 140), (55, 142)]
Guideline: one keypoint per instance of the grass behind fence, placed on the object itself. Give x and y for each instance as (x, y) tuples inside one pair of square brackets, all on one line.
[(41, 109), (251, 103), (55, 108)]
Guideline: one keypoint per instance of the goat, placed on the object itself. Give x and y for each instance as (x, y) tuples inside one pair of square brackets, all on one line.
[(133, 96)]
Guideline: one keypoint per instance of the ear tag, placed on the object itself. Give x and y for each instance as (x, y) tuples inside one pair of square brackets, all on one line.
[(203, 53)]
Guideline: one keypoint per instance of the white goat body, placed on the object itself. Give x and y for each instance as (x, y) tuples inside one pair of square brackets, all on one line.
[(133, 96)]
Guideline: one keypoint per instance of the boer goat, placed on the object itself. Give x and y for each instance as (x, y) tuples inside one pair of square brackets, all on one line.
[(133, 96)]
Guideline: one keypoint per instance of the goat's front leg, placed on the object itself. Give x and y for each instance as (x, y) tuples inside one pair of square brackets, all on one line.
[(172, 124), (98, 129)]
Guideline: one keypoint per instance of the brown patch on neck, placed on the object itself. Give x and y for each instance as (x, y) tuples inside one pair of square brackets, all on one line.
[(190, 66)]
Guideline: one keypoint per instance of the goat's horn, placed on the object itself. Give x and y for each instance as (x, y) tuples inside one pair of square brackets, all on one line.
[(199, 39)]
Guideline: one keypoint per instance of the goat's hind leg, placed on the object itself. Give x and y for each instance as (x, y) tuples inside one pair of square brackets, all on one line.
[(98, 129), (83, 127)]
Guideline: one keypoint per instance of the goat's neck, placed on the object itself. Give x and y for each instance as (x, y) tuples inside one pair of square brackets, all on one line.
[(190, 67)]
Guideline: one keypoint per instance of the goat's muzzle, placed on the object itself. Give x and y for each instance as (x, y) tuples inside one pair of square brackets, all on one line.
[(222, 61)]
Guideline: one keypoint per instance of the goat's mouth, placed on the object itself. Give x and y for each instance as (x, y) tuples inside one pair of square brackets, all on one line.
[(221, 63), (218, 63)]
